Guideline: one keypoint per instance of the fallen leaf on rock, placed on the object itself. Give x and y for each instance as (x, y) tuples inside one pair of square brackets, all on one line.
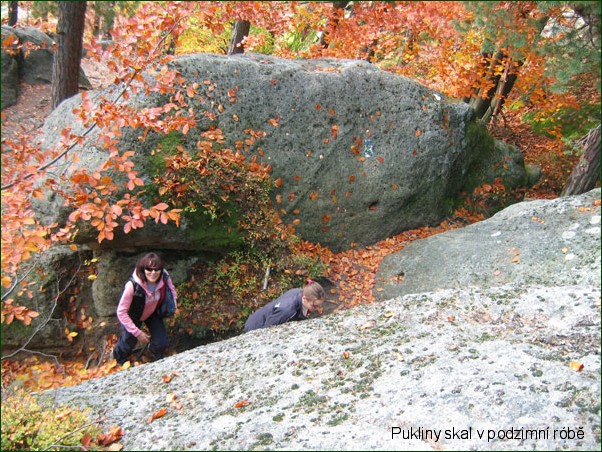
[(115, 434), (576, 366), (346, 354), (242, 403), (369, 324), (162, 412), (389, 314), (451, 318), (168, 378), (172, 400)]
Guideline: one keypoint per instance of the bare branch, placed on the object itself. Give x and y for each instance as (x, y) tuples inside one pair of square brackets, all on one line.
[(59, 292)]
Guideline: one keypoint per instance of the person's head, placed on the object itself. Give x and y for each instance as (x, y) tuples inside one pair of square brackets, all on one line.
[(313, 295), (149, 268)]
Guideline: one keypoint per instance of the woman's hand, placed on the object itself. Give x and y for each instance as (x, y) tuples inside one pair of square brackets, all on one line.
[(143, 338)]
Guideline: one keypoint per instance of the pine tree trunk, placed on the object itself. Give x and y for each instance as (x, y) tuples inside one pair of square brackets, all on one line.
[(67, 59), (240, 32), (587, 172)]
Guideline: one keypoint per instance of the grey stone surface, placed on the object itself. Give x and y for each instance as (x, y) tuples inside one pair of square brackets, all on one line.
[(31, 61), (546, 242), (10, 80), (479, 359), (422, 371)]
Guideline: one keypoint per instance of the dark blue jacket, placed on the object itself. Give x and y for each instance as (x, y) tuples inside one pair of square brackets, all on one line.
[(288, 306)]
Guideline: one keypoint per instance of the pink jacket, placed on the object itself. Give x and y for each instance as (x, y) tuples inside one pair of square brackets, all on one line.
[(151, 302)]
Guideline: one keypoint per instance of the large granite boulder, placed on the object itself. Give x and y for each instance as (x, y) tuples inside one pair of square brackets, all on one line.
[(546, 242), (360, 154), (29, 58), (10, 80)]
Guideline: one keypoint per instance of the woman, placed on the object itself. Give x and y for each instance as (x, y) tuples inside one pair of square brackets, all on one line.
[(294, 304), (142, 294)]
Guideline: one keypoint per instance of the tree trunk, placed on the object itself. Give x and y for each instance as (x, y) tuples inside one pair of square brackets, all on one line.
[(67, 59), (239, 32), (479, 101), (13, 13), (587, 172), (504, 86)]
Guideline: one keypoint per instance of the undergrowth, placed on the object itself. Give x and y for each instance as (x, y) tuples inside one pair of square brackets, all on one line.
[(31, 424)]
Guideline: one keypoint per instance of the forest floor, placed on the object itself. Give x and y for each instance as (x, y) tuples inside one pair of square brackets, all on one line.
[(352, 272)]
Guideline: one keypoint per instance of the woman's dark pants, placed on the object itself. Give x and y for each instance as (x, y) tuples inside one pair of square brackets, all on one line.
[(127, 341)]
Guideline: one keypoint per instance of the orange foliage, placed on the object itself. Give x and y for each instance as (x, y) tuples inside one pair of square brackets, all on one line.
[(140, 45)]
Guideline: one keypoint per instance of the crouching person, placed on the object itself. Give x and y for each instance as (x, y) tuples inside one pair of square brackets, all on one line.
[(142, 295), (293, 305)]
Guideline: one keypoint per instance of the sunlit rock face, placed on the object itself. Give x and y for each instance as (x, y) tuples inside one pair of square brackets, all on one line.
[(359, 154), (539, 242)]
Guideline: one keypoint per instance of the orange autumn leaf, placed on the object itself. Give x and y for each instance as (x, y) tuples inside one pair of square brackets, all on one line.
[(313, 196), (576, 366), (334, 131), (278, 182), (241, 404), (114, 434), (158, 414), (326, 218), (86, 441)]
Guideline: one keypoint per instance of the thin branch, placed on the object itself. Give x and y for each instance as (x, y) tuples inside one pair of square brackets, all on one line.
[(62, 446), (17, 282), (93, 126), (23, 348)]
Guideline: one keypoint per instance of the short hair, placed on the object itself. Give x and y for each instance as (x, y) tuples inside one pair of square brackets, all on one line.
[(148, 260), (314, 290)]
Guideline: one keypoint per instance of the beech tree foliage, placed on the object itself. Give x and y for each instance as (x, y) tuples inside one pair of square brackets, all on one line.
[(537, 56)]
